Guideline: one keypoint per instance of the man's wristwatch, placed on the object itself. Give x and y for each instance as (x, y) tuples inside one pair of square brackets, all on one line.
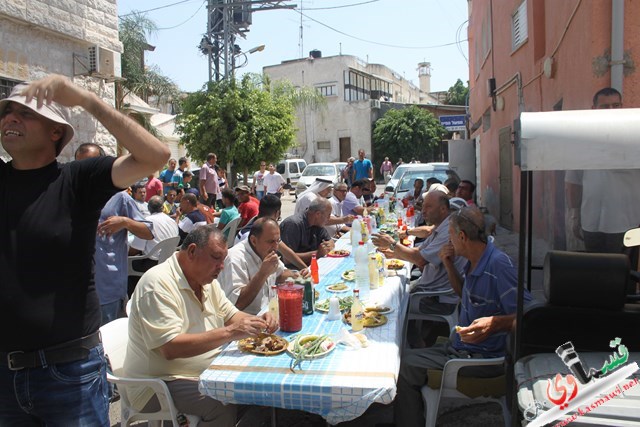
[(392, 247)]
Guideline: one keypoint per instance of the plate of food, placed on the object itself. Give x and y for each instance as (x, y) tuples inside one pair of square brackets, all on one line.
[(311, 346), (316, 294), (378, 308), (371, 319), (338, 253), (263, 344), (345, 304), (395, 264), (338, 287), (349, 275)]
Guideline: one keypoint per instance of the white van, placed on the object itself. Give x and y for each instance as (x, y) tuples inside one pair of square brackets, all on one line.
[(291, 169)]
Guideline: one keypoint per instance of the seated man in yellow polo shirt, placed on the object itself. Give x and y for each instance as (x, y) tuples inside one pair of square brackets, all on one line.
[(179, 319)]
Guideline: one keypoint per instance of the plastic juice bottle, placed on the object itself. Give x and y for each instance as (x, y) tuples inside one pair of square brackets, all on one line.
[(315, 273), (357, 312), (410, 216), (273, 302)]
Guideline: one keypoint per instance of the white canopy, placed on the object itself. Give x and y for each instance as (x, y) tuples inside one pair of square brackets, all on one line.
[(582, 139)]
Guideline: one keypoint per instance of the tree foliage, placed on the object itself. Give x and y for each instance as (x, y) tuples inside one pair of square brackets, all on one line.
[(242, 122), (457, 94), (142, 81), (408, 132)]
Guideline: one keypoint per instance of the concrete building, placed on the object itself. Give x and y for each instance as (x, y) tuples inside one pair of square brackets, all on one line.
[(355, 91), (541, 55), (56, 36)]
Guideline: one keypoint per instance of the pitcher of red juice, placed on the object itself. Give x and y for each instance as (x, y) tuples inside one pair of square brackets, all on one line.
[(290, 307)]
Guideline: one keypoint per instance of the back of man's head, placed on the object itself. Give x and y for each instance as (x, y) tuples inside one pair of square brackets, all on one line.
[(270, 205), (190, 199), (469, 220), (87, 150), (155, 204), (200, 236), (359, 183), (211, 156), (319, 205)]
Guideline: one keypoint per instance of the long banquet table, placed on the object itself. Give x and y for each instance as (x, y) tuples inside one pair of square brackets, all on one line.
[(339, 386)]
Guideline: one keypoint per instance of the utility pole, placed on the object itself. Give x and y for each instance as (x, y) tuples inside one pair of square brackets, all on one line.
[(228, 19)]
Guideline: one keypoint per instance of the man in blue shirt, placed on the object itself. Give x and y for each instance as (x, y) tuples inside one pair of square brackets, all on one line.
[(487, 312), (362, 168), (119, 216)]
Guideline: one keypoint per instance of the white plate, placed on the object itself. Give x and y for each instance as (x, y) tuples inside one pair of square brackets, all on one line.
[(315, 356), (349, 278), (387, 311), (322, 309), (338, 290)]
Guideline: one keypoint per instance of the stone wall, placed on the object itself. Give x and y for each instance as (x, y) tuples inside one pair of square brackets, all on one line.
[(38, 38)]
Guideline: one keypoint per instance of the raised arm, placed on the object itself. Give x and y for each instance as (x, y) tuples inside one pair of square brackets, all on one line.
[(146, 153)]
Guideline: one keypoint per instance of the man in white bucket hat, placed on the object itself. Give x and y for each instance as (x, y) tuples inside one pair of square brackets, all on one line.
[(51, 358)]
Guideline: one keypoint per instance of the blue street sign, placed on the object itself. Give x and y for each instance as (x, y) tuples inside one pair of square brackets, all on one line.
[(453, 123)]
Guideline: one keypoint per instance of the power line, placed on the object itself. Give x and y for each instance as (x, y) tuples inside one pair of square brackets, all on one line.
[(341, 7), (187, 20), (377, 43), (155, 8)]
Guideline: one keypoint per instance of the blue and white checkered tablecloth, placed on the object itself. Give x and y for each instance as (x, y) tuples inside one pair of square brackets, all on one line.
[(339, 386)]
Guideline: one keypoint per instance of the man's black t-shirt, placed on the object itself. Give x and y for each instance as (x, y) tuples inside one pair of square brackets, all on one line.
[(48, 226)]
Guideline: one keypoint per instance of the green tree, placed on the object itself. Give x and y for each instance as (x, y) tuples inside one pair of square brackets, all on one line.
[(139, 79), (408, 132), (457, 94), (241, 122)]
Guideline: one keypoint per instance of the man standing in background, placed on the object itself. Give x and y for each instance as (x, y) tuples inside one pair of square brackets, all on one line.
[(386, 170), (362, 168), (209, 188), (257, 187)]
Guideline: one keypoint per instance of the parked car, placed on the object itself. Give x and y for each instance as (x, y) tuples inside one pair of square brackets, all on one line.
[(329, 171), (397, 174), (405, 183), (341, 166), (291, 169)]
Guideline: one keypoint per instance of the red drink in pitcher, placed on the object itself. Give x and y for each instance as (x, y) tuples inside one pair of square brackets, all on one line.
[(290, 306)]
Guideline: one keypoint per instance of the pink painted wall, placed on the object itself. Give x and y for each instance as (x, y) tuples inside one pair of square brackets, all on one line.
[(575, 80)]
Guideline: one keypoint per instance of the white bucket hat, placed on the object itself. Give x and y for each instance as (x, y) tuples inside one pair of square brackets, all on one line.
[(54, 112)]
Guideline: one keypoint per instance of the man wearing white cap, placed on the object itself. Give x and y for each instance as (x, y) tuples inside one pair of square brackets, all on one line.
[(50, 312)]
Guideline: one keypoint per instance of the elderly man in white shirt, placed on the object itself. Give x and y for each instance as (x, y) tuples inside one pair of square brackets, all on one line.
[(253, 266), (319, 188), (337, 223)]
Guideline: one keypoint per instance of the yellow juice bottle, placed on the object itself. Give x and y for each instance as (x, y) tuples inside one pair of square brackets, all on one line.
[(357, 312)]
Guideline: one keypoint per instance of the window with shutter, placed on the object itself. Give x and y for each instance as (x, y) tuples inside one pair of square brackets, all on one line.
[(519, 30)]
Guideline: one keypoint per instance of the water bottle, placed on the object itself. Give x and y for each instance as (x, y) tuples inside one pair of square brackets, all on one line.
[(362, 271), (356, 235)]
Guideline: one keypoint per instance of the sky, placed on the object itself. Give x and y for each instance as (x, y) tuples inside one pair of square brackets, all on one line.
[(395, 33)]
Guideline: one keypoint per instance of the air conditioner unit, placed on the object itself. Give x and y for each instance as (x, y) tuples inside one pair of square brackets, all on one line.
[(375, 103), (104, 62)]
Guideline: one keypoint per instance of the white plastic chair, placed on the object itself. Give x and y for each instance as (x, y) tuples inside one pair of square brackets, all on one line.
[(231, 227), (451, 319), (162, 251), (115, 336), (449, 388)]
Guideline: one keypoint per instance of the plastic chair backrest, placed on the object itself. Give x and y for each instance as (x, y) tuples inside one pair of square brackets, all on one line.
[(231, 228), (115, 337), (165, 248)]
